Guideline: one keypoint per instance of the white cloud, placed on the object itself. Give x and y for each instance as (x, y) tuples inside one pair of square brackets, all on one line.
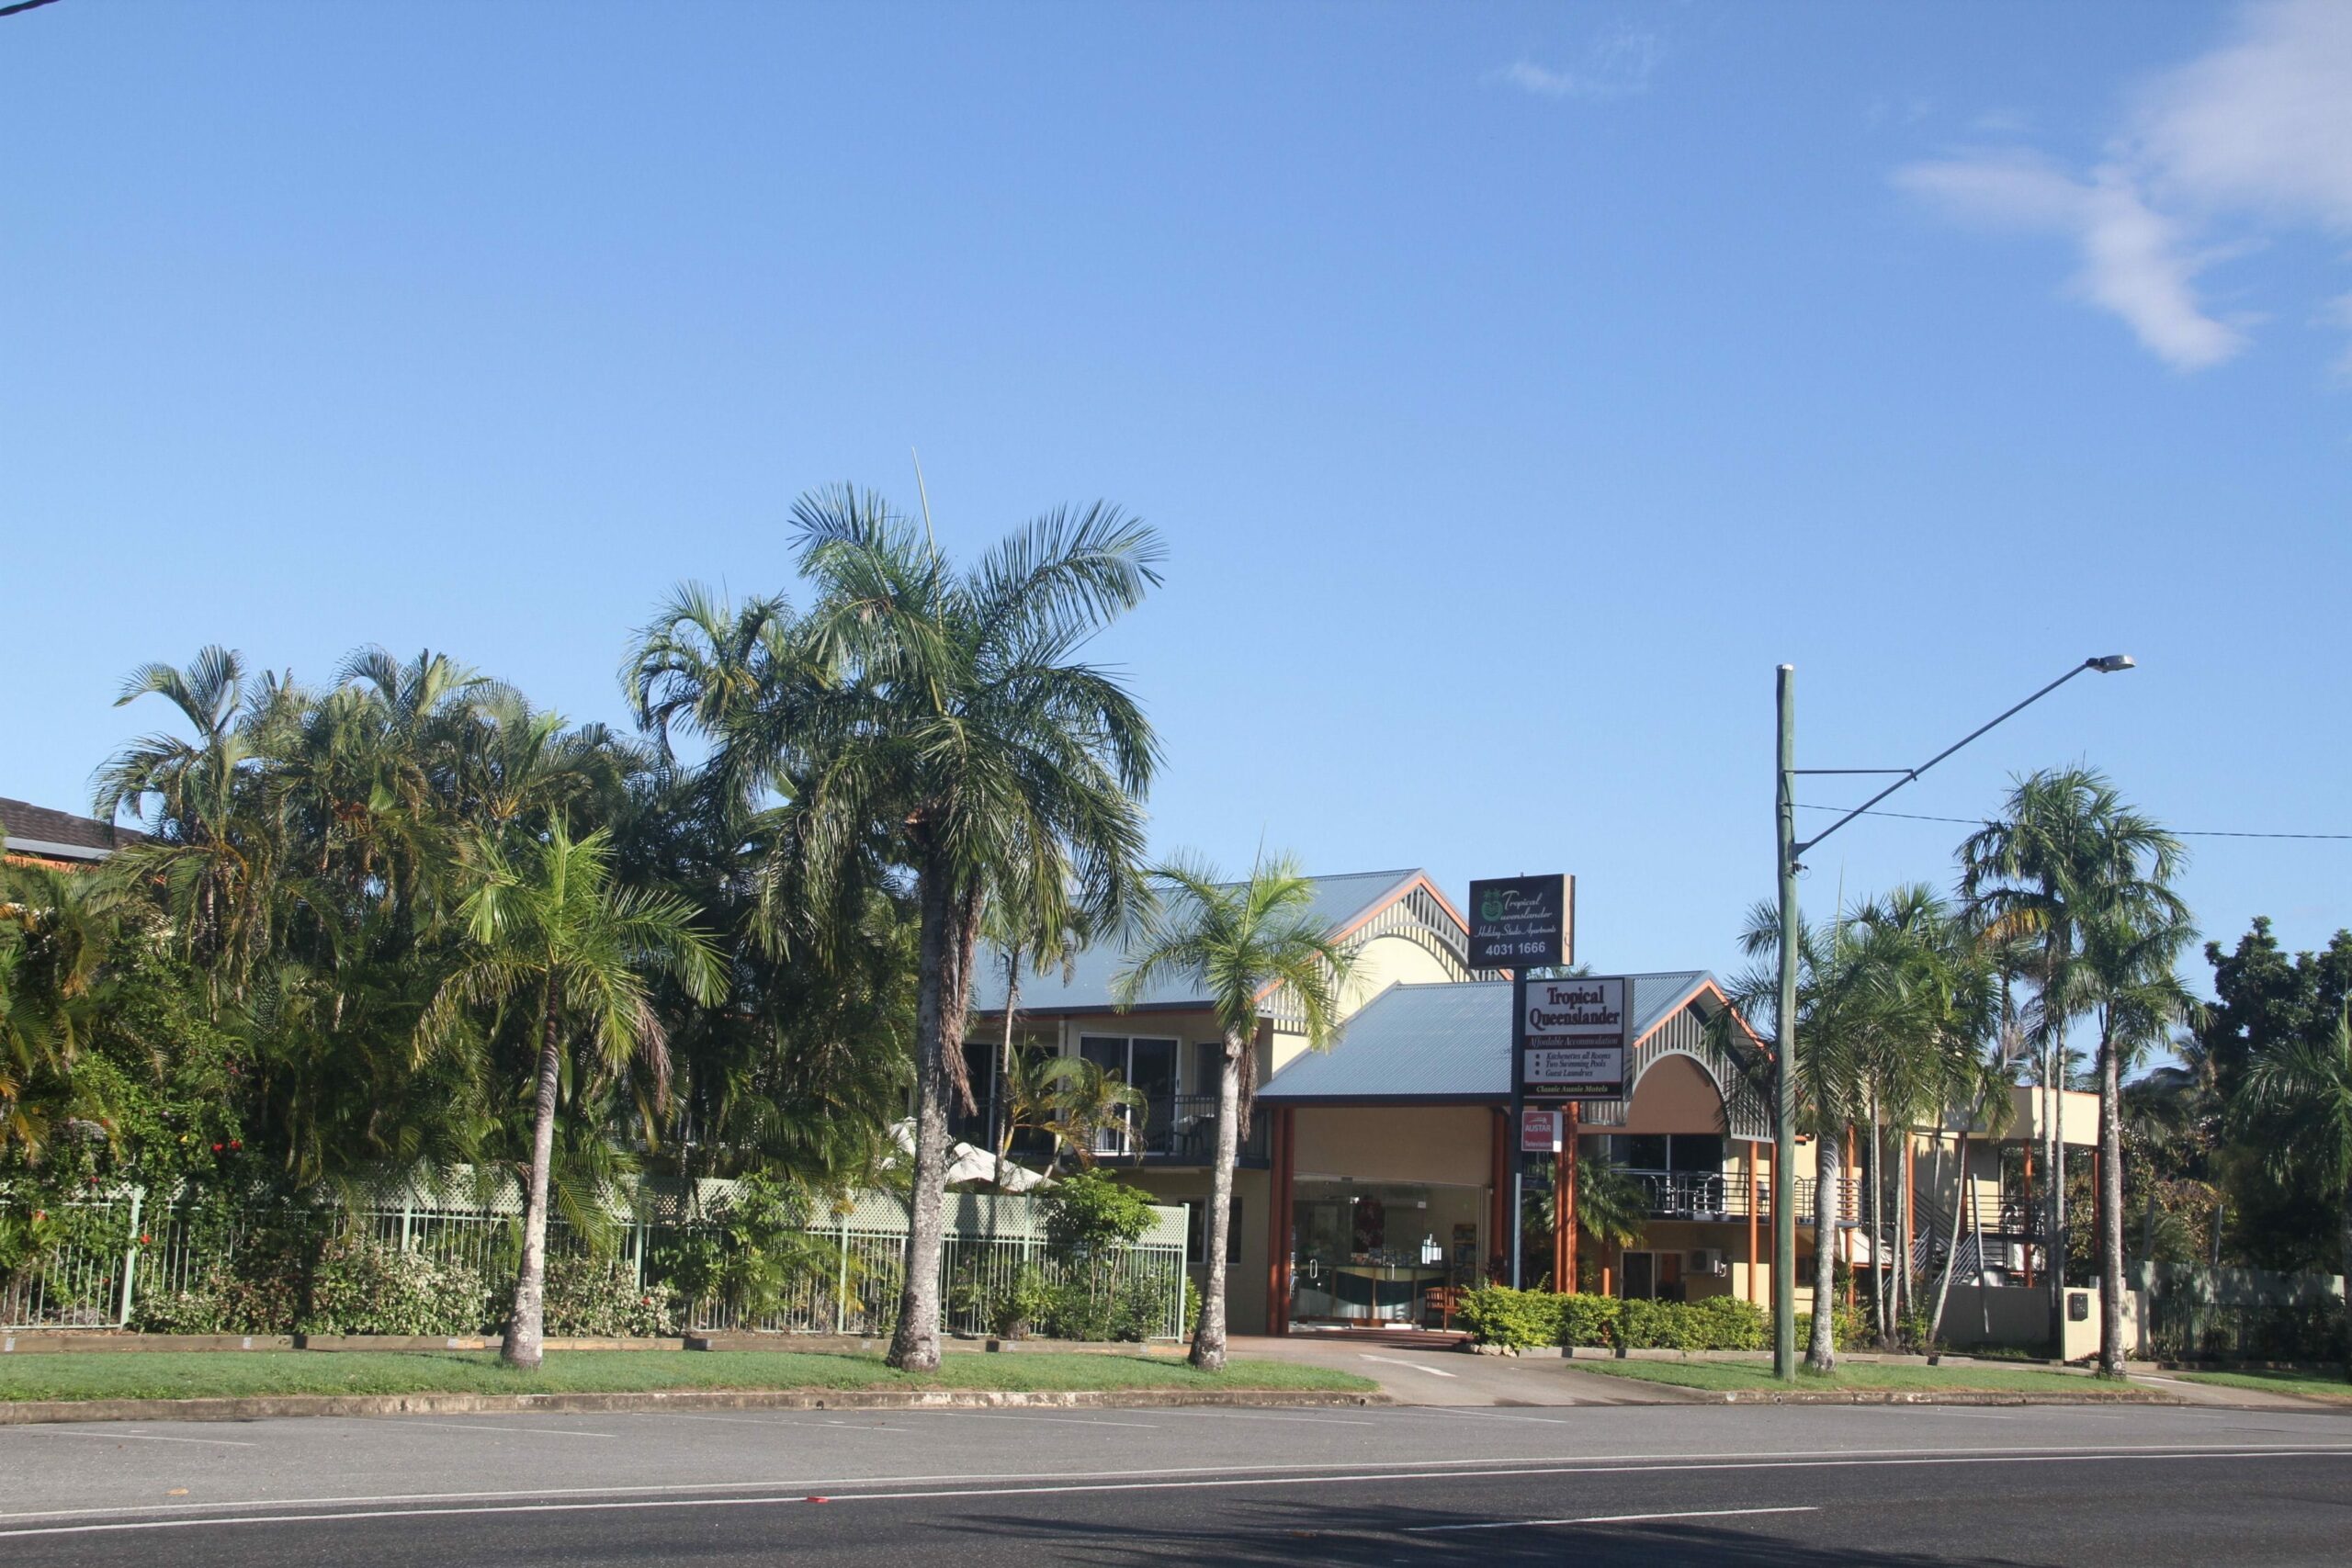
[(2132, 261), (2258, 131), (1618, 63)]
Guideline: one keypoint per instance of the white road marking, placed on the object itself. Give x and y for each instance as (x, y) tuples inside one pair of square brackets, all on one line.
[(1394, 1361), (479, 1427), (1481, 1414), (1610, 1520), (1387, 1477), (132, 1437), (1059, 1420), (1262, 1415), (1306, 1469)]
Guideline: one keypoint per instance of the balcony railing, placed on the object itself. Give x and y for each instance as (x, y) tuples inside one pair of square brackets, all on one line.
[(1702, 1195), (1181, 1129)]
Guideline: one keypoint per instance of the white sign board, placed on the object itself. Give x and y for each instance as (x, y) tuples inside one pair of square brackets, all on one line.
[(1570, 1037)]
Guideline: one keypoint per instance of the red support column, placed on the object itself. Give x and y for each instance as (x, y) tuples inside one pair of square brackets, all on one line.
[(1563, 1202), (1278, 1223)]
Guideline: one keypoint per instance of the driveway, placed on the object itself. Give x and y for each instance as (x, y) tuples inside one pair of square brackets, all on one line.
[(1414, 1376)]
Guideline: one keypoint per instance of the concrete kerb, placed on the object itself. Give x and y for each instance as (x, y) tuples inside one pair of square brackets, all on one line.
[(681, 1401)]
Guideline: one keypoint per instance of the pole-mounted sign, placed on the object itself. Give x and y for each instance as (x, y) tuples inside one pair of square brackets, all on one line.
[(1539, 1132), (1570, 1038), (1522, 922)]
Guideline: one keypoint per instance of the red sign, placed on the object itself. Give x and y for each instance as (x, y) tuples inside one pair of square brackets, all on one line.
[(1539, 1132)]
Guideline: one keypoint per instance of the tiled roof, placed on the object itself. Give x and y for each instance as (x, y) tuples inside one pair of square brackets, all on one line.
[(39, 830), (1445, 1041), (1340, 902)]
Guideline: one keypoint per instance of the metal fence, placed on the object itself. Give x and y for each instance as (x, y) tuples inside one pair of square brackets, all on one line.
[(853, 1258)]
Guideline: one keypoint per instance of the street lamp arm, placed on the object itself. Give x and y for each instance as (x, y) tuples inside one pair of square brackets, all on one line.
[(1911, 775)]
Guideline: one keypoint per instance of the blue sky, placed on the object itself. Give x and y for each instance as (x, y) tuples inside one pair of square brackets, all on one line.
[(1515, 388)]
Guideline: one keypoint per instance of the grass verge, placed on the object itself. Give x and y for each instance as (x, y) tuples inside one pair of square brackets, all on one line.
[(2329, 1386), (198, 1375), (1734, 1376)]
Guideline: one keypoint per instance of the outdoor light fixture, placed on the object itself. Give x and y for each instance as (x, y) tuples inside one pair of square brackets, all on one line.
[(2108, 664)]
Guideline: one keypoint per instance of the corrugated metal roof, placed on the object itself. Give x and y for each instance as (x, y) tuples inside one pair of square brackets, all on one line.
[(1445, 1041), (1340, 902)]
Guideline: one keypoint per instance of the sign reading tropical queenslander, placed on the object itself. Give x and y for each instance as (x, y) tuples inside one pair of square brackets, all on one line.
[(1522, 922), (1569, 1038)]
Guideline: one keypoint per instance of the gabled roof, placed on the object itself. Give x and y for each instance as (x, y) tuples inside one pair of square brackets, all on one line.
[(1446, 1043), (1341, 903), (60, 835)]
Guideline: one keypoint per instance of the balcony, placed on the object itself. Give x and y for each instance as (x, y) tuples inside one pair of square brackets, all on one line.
[(1686, 1195), (1180, 1129)]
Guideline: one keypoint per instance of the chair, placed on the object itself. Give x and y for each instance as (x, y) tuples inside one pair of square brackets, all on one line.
[(1440, 1302)]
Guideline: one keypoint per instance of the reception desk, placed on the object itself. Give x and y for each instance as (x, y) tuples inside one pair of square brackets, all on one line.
[(1363, 1293)]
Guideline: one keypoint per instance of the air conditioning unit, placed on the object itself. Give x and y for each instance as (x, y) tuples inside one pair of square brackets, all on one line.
[(1704, 1260)]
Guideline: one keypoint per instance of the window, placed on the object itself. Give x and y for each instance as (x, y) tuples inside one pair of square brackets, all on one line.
[(1196, 1232), (1684, 1154), (1143, 1063)]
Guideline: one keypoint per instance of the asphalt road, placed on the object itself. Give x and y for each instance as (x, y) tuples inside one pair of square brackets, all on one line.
[(1617, 1484)]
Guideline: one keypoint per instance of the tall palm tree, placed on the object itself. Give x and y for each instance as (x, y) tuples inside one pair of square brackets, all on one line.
[(946, 712), (547, 928), (1238, 943), (213, 850), (2295, 1100), (2087, 880)]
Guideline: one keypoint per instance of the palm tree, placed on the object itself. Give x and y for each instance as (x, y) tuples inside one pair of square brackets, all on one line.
[(2087, 880), (944, 714), (1081, 1105), (212, 850), (548, 928), (1237, 942), (2295, 1100)]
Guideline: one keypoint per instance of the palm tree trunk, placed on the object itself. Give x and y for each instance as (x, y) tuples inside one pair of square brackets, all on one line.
[(2054, 1240), (999, 1115), (1877, 1238), (2110, 1204), (941, 998), (1951, 1257), (526, 1324), (1822, 1355), (1906, 1280), (1208, 1337)]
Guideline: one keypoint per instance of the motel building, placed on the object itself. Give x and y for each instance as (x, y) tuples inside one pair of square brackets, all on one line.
[(1377, 1179)]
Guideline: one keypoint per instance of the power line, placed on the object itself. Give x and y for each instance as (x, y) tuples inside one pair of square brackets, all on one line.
[(2177, 832)]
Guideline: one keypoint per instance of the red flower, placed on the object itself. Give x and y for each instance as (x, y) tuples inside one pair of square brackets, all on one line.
[(216, 1148), (145, 1239)]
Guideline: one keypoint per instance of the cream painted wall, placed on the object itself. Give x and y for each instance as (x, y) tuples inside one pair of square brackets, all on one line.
[(1674, 1096), (1446, 1144), (1245, 1281)]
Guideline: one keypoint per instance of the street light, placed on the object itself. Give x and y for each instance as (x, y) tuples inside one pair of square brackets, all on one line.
[(1784, 1087)]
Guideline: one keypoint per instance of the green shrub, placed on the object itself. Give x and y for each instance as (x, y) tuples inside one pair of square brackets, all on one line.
[(360, 1285), (1848, 1329), (1588, 1319), (1715, 1322), (598, 1298), (1518, 1320)]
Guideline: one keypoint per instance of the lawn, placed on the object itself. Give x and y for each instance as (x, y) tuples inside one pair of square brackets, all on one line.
[(1732, 1376), (2329, 1386), (191, 1374)]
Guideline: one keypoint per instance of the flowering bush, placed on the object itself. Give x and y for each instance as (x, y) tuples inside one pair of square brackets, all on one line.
[(598, 1298)]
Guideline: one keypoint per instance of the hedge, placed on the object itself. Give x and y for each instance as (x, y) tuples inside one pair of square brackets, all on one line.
[(1524, 1320)]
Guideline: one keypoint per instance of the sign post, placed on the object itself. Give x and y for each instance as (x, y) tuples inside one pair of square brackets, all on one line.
[(1569, 1039), (1518, 923)]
